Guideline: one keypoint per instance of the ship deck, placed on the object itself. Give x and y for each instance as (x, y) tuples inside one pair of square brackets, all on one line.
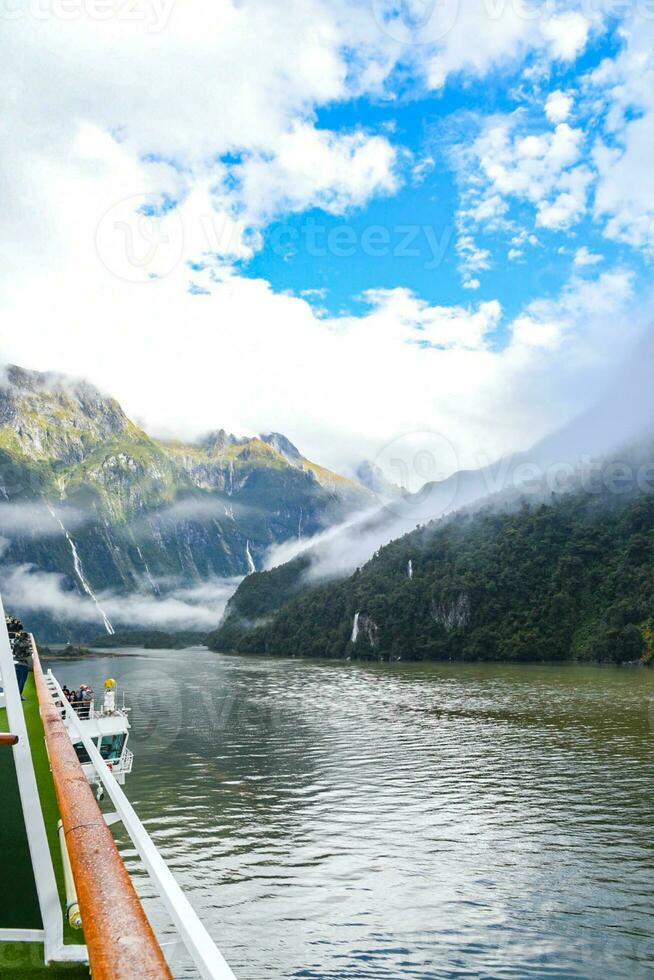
[(19, 907)]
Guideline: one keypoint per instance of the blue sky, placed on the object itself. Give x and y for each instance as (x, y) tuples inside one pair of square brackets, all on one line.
[(345, 220)]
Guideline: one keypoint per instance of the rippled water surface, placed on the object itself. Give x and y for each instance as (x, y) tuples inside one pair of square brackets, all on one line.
[(397, 820)]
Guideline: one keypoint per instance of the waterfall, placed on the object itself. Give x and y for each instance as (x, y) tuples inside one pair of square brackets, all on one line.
[(229, 512), (299, 524), (153, 584), (409, 569), (79, 571), (250, 560), (231, 479), (355, 629)]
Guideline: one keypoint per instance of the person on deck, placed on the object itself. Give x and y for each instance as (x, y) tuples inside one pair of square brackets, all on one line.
[(22, 651), (87, 697)]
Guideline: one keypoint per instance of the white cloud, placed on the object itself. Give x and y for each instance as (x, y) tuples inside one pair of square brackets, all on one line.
[(570, 202), (558, 106), (509, 162), (524, 237), (473, 259), (567, 34), (583, 303), (531, 332), (584, 257), (579, 327), (422, 168), (316, 168), (104, 115), (500, 32), (399, 312), (624, 198), (529, 167), (555, 170)]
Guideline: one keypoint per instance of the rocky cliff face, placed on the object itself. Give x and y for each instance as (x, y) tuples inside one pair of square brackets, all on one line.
[(44, 417), (82, 485)]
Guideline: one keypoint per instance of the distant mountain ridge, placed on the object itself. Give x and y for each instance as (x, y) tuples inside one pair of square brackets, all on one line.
[(145, 512)]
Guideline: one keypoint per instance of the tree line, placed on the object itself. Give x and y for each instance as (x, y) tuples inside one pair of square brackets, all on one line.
[(569, 580)]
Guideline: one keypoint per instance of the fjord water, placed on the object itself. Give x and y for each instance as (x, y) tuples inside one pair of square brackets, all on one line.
[(397, 820)]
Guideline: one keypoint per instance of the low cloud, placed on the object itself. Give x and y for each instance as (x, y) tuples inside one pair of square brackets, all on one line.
[(197, 607), (340, 539), (199, 509), (606, 450), (18, 519)]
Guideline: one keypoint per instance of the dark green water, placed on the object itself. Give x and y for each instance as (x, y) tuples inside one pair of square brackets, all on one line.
[(398, 820)]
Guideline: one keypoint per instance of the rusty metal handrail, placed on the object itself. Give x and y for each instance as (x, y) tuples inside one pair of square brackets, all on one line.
[(119, 938), (8, 739)]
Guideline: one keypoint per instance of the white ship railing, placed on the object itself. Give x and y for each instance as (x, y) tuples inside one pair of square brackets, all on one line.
[(52, 933), (205, 954)]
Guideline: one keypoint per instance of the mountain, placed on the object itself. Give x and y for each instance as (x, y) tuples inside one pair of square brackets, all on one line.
[(582, 455), (568, 579), (372, 476), (86, 493)]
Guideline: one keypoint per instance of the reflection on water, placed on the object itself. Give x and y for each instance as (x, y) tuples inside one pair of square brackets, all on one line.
[(397, 820)]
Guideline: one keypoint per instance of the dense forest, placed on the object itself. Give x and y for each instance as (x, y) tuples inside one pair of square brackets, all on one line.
[(572, 579)]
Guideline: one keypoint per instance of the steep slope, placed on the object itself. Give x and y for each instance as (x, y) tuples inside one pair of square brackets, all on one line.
[(87, 493), (572, 579), (617, 431), (46, 419)]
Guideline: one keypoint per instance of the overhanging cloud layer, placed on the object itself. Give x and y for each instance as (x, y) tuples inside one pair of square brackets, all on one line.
[(144, 157)]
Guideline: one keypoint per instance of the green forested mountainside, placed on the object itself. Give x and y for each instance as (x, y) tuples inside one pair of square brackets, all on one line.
[(573, 579), (258, 597), (143, 514)]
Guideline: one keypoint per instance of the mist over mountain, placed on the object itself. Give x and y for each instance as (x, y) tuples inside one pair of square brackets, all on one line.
[(571, 579), (103, 525), (372, 476), (101, 522), (606, 452)]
